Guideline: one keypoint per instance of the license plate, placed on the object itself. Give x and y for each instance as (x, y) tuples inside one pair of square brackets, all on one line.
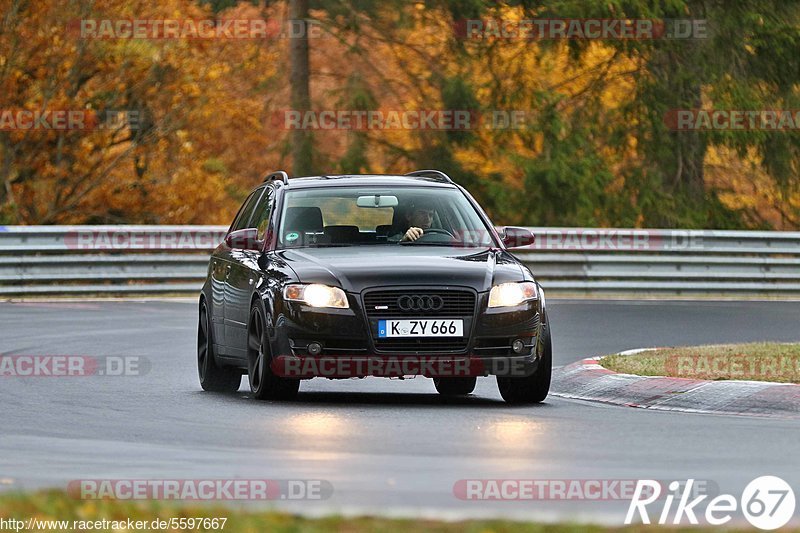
[(423, 327)]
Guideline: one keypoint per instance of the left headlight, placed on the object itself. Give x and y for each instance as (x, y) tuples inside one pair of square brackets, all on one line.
[(511, 294), (316, 295)]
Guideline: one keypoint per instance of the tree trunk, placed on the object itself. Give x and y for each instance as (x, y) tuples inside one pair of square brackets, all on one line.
[(6, 191), (690, 151), (300, 91), (5, 168)]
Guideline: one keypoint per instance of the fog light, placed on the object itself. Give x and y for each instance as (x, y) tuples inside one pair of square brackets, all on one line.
[(314, 348), (518, 346)]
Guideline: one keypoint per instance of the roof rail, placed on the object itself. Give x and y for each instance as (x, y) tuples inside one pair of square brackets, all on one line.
[(438, 174), (277, 175)]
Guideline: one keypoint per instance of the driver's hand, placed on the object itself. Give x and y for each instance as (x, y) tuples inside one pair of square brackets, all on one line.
[(412, 234)]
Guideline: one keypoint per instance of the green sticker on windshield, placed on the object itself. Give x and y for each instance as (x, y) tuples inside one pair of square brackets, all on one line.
[(292, 236)]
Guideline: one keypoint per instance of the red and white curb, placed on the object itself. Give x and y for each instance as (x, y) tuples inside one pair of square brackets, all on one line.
[(588, 380)]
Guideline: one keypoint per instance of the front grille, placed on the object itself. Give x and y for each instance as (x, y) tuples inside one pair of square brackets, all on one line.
[(457, 303)]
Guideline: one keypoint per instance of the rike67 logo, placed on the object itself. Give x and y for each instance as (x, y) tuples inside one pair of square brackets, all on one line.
[(767, 502)]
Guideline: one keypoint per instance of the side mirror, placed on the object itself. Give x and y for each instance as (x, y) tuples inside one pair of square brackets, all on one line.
[(517, 237), (243, 239)]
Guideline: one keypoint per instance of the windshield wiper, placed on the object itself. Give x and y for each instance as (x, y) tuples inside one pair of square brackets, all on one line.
[(320, 245), (448, 244)]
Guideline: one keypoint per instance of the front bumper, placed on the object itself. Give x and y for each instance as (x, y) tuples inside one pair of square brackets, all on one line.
[(349, 348)]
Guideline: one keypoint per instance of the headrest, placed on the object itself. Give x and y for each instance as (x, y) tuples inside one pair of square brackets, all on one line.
[(343, 234), (303, 219)]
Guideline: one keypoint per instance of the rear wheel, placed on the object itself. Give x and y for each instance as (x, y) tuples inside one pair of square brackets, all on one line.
[(533, 388), (213, 377), (455, 386), (264, 383)]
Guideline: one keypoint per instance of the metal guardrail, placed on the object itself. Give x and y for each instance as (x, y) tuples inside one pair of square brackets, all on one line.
[(674, 262), (77, 260), (64, 260)]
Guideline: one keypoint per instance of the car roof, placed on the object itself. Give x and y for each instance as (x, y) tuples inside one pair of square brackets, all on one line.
[(354, 180)]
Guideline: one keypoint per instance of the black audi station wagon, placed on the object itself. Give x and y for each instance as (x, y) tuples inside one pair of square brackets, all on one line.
[(371, 275)]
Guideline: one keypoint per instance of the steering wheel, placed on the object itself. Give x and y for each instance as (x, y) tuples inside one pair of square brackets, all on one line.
[(431, 231)]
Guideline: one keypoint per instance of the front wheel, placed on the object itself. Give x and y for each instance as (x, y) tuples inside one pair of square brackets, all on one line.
[(533, 388), (264, 383), (213, 377), (455, 386)]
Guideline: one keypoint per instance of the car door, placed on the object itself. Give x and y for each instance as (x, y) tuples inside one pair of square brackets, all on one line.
[(219, 272), (220, 267), (225, 258), (242, 278)]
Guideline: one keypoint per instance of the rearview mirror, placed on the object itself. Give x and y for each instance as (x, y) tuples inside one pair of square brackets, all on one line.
[(517, 237), (376, 200), (243, 239)]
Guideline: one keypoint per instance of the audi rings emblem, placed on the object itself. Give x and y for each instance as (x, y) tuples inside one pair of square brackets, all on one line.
[(420, 302)]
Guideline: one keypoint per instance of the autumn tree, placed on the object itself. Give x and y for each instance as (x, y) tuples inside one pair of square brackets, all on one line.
[(594, 148)]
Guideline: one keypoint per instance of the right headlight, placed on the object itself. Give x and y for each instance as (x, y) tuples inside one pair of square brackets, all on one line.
[(316, 295), (511, 294)]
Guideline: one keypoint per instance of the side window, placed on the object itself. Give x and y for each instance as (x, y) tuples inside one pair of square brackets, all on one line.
[(262, 214), (239, 213), (246, 212)]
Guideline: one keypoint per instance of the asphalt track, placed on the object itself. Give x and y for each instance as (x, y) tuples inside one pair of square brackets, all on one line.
[(387, 447)]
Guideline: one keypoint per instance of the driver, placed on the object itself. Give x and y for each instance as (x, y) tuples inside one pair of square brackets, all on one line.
[(419, 217)]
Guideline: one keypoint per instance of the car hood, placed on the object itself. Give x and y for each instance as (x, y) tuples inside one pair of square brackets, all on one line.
[(356, 268)]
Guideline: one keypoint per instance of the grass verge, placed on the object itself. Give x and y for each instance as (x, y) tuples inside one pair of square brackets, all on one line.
[(761, 361)]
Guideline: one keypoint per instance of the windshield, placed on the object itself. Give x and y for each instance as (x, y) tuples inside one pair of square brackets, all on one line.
[(372, 216)]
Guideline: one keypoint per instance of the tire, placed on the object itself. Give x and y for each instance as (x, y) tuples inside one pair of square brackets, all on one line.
[(213, 377), (455, 386), (533, 388), (264, 384)]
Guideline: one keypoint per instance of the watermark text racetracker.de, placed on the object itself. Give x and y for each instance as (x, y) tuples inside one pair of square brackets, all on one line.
[(735, 366), (357, 366), (143, 239), (560, 489), (201, 489), (780, 120), (608, 29), (48, 366), (590, 239), (194, 29), (68, 119), (616, 239), (400, 119)]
